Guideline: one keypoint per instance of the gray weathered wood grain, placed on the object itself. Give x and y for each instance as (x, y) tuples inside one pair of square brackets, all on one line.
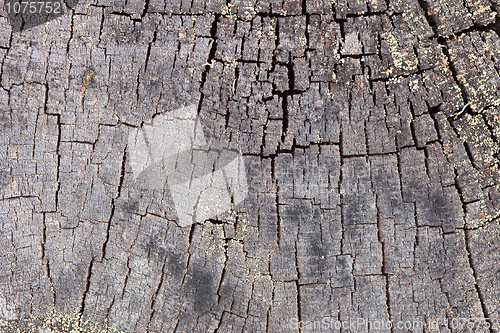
[(370, 132)]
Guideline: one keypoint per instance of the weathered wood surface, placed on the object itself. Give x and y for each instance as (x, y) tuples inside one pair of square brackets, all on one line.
[(370, 131)]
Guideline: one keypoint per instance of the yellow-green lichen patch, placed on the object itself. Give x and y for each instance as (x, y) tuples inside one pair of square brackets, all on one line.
[(414, 83), (55, 322), (403, 59)]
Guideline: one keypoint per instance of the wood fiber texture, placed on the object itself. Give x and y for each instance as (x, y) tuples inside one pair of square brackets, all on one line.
[(370, 131)]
